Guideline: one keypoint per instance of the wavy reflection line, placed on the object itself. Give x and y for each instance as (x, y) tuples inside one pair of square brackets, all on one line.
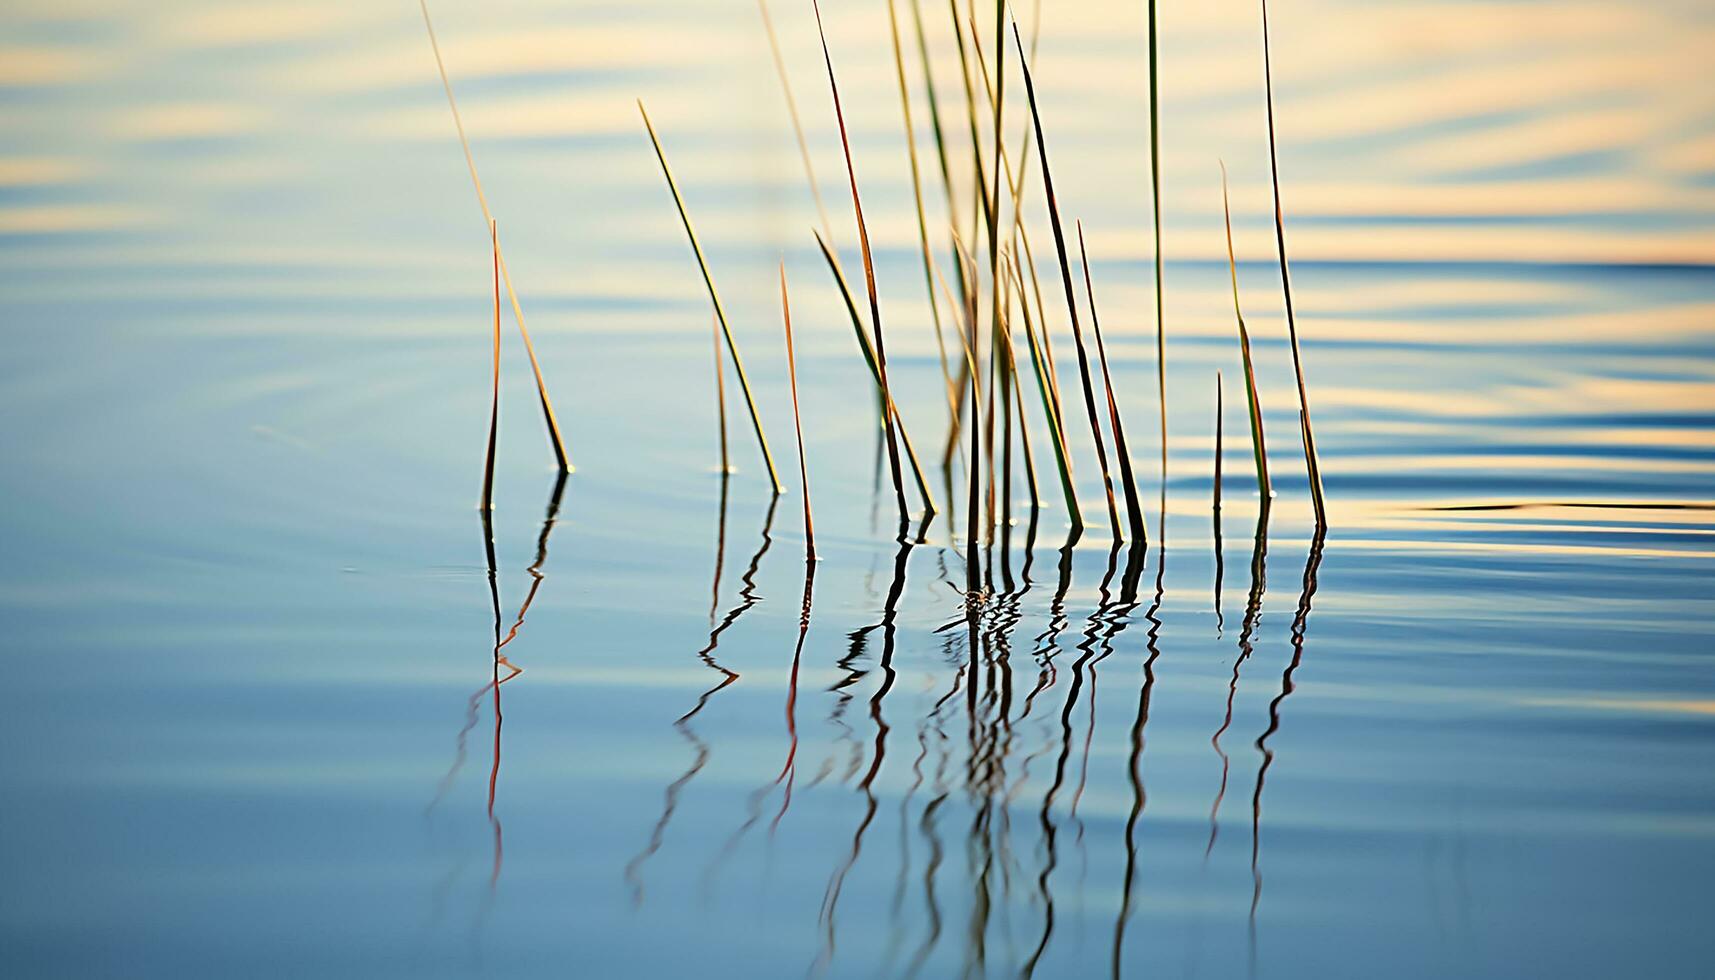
[(537, 576), (473, 703), (889, 640), (1247, 645), (789, 770), (1048, 641), (1134, 771), (990, 741), (896, 906), (1045, 819), (928, 823), (1300, 623), (700, 749), (1090, 647)]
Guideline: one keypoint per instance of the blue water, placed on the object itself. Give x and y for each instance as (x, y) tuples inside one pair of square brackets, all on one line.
[(253, 727)]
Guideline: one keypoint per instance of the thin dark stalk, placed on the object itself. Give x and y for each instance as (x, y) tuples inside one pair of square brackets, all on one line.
[(1312, 467), (797, 422), (973, 574), (1155, 198), (1050, 408), (1134, 510), (487, 504), (557, 442), (1220, 450), (917, 196), (714, 297), (869, 279), (935, 118), (1259, 445), (720, 392), (1021, 236), (979, 185), (996, 279), (1066, 281), (868, 350), (1018, 395)]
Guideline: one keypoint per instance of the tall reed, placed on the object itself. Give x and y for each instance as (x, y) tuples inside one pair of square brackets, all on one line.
[(868, 349), (797, 419), (1259, 445), (487, 503), (1051, 409), (1017, 405), (556, 441), (1312, 467), (714, 297), (1066, 281), (720, 392), (1155, 198), (917, 199), (998, 366), (1133, 509), (869, 279), (1220, 446)]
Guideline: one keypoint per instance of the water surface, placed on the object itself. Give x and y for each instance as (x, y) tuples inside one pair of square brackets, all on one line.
[(253, 725)]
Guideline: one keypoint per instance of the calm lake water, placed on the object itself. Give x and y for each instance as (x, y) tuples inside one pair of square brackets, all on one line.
[(252, 728)]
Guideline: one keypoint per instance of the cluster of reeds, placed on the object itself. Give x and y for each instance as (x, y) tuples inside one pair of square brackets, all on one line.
[(986, 273)]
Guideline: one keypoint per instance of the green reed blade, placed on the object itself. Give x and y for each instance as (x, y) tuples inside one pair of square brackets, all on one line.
[(556, 441), (715, 298), (1259, 445), (797, 419), (1056, 430), (868, 350), (1312, 466), (1066, 281), (917, 198), (487, 503), (1134, 510)]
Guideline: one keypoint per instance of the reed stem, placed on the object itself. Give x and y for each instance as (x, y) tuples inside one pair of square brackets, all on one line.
[(715, 298), (868, 350), (1066, 281), (1056, 430), (556, 441), (487, 503), (1259, 445), (720, 392), (1134, 510), (1312, 466), (869, 279), (797, 419), (1155, 199)]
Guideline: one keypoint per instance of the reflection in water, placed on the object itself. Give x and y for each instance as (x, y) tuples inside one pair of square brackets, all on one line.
[(1520, 411), (503, 669), (1300, 622), (889, 639), (699, 748), (1247, 636), (1134, 772)]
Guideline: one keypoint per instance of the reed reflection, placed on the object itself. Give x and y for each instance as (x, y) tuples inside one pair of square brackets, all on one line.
[(1247, 645), (1300, 624), (502, 669), (888, 626), (701, 751), (1134, 771)]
